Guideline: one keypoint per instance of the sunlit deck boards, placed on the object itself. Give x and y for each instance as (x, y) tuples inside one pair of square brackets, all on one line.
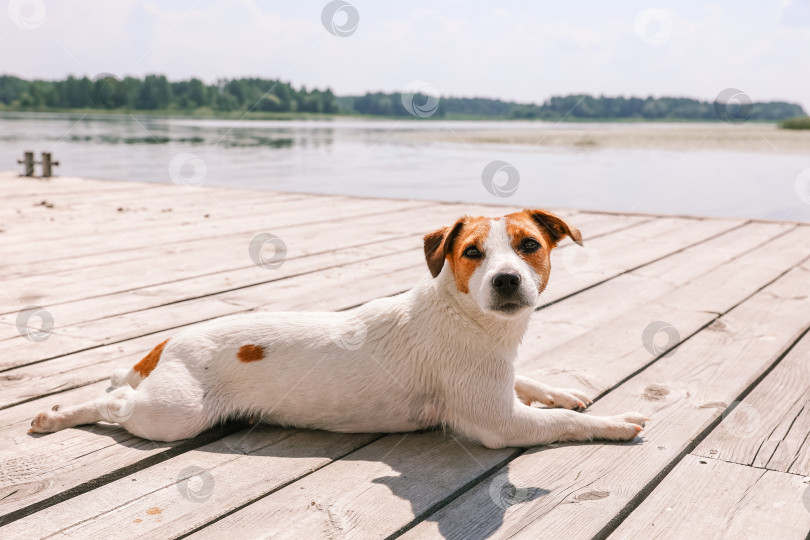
[(120, 266)]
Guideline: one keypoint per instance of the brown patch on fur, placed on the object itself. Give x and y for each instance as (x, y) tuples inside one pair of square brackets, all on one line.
[(472, 234), (250, 353), (521, 226), (148, 363)]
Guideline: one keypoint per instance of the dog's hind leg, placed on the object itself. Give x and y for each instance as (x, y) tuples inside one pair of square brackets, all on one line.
[(113, 407), (138, 411)]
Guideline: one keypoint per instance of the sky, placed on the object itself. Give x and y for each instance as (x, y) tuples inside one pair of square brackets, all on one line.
[(520, 50)]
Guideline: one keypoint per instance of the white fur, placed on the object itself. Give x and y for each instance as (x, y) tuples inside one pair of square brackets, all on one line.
[(430, 356)]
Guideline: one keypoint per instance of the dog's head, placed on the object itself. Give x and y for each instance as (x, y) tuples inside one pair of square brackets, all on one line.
[(502, 263)]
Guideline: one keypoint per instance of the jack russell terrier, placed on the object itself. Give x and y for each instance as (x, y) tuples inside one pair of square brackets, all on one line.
[(439, 355)]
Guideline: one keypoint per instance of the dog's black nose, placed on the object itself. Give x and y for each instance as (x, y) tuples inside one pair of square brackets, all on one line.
[(506, 283)]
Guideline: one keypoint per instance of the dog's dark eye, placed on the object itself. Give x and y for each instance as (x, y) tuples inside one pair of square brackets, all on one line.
[(472, 252), (529, 245)]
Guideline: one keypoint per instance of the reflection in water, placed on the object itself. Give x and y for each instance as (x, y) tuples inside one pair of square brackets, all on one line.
[(373, 158)]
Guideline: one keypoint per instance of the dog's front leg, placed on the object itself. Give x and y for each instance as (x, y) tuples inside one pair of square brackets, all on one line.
[(528, 391), (530, 426)]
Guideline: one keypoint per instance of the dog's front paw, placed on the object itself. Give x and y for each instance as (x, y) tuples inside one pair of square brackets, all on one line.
[(47, 422), (566, 398), (624, 427)]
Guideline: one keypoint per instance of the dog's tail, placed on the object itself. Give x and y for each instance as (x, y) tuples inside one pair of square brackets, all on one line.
[(139, 371), (123, 376)]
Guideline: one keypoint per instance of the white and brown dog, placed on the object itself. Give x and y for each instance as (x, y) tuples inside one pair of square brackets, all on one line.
[(440, 354)]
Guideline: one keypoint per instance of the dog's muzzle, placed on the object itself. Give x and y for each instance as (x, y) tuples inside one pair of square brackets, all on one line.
[(506, 297)]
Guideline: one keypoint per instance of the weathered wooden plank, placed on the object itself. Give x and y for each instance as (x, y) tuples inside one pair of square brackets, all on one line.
[(706, 498), (650, 240), (39, 227), (238, 468), (119, 213), (83, 212), (230, 461), (133, 195), (584, 488), (16, 186), (34, 468), (112, 194), (117, 231), (784, 453), (123, 233), (769, 428)]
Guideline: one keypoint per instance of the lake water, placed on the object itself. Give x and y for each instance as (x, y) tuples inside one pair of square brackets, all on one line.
[(372, 158)]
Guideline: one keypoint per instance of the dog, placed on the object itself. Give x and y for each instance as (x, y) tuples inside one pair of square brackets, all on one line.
[(440, 355)]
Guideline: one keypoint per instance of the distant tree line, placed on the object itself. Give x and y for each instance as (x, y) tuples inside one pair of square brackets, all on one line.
[(156, 93), (663, 108), (573, 107)]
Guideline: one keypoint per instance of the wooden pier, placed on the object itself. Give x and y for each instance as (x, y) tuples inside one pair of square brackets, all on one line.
[(700, 323)]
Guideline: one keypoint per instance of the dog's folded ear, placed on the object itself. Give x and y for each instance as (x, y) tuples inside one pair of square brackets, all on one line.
[(555, 226), (439, 244)]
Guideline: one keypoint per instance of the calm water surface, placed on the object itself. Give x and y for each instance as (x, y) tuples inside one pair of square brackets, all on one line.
[(372, 158)]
